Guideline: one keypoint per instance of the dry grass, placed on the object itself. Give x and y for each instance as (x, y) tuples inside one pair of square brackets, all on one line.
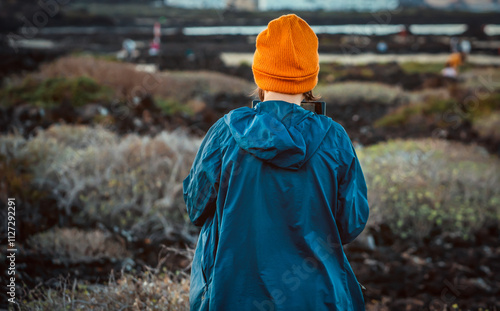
[(147, 291), (129, 82), (482, 80), (78, 136), (350, 93)]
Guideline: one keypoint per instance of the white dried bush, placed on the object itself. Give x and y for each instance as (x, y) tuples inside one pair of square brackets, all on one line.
[(132, 183), (78, 136)]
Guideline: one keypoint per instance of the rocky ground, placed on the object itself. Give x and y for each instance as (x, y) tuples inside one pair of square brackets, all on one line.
[(443, 273)]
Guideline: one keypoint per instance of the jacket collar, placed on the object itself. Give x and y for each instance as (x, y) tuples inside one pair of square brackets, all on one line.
[(288, 113)]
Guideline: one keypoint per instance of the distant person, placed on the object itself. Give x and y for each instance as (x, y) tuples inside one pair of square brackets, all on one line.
[(130, 46), (154, 47), (277, 191), (449, 71), (403, 35), (381, 47), (456, 60), (465, 46), (404, 32), (190, 55), (454, 45)]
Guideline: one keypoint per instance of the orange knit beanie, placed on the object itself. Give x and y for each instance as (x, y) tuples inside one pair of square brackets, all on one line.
[(286, 59)]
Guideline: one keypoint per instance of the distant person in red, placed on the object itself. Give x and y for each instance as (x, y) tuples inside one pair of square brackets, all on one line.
[(154, 47), (404, 32)]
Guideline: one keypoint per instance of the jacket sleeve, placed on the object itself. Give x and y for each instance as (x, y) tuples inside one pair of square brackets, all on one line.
[(352, 206), (200, 187)]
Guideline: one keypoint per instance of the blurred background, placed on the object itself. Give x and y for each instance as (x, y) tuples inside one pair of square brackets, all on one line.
[(103, 105)]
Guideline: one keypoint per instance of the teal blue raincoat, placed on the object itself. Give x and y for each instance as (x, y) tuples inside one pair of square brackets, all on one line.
[(277, 190)]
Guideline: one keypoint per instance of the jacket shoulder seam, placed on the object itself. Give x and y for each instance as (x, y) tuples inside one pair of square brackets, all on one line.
[(338, 133)]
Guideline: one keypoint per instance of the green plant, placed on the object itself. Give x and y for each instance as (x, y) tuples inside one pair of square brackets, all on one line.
[(172, 106), (51, 92), (432, 108), (477, 108), (330, 72), (418, 67)]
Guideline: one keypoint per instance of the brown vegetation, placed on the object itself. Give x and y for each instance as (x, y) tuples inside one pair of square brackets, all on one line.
[(128, 82)]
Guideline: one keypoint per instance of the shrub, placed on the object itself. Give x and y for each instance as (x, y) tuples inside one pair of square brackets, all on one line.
[(349, 93), (51, 92), (429, 110), (17, 179), (417, 185), (129, 82), (330, 72), (437, 111), (482, 80), (71, 244), (78, 136), (134, 183), (488, 126), (171, 106)]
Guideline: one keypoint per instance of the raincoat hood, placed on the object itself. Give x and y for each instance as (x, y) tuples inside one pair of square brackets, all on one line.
[(281, 133)]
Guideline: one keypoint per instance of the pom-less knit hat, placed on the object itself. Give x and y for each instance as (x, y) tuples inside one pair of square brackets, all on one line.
[(286, 58)]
